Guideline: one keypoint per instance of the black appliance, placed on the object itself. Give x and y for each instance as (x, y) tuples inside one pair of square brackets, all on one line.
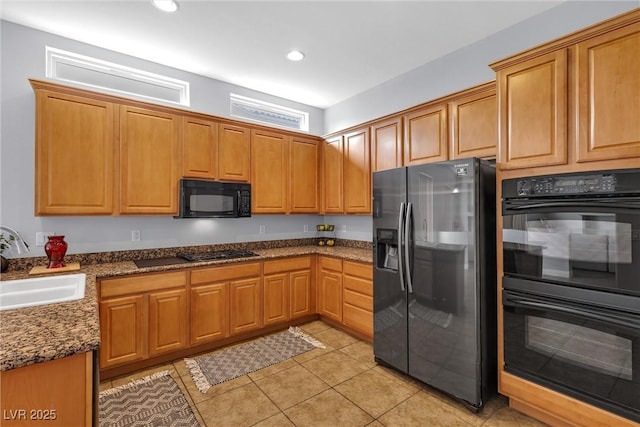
[(216, 255), (201, 198), (434, 277), (571, 285)]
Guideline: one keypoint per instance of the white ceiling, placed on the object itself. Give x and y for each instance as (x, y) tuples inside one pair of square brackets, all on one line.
[(350, 46)]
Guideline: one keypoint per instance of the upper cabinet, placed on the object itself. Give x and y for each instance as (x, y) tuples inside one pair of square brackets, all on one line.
[(304, 175), (425, 135), (532, 98), (148, 161), (474, 123), (199, 148), (607, 83), (386, 144), (269, 167), (347, 173), (74, 145), (357, 172), (234, 153), (573, 101), (332, 161)]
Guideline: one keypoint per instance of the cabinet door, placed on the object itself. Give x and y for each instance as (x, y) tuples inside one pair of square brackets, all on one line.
[(123, 330), (386, 144), (167, 321), (332, 162), (304, 160), (234, 153), (357, 172), (269, 172), (148, 161), (358, 304), (474, 125), (74, 147), (425, 136), (301, 303), (199, 148), (532, 104), (276, 298), (330, 294), (209, 313), (608, 88), (245, 301)]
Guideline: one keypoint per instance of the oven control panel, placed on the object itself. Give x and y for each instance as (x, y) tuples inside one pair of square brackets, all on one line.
[(575, 184)]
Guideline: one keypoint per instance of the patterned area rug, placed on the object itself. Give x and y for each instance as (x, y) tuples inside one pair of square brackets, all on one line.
[(155, 400), (227, 364)]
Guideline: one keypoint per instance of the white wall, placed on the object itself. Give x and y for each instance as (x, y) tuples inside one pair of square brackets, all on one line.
[(468, 67)]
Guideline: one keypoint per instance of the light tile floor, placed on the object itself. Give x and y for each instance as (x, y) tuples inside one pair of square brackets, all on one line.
[(340, 385)]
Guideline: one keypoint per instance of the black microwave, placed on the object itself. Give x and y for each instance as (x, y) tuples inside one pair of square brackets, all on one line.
[(200, 198)]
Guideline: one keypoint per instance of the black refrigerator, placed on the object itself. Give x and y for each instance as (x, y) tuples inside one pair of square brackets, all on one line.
[(434, 279)]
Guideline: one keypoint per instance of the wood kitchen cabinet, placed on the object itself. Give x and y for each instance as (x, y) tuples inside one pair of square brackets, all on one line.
[(199, 148), (269, 172), (288, 292), (245, 304), (332, 174), (148, 161), (209, 312), (54, 393), (330, 288), (474, 123), (425, 135), (234, 153), (357, 172), (386, 144), (304, 188), (347, 173), (357, 310), (142, 316), (573, 102), (74, 147)]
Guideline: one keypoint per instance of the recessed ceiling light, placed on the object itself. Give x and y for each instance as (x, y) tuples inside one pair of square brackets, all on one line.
[(165, 5), (295, 55)]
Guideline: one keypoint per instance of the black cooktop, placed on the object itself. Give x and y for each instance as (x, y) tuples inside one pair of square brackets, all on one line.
[(215, 255)]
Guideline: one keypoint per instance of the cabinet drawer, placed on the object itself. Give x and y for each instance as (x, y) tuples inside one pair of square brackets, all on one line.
[(221, 274), (358, 269), (364, 302), (139, 284), (357, 318), (287, 264), (330, 264), (363, 286)]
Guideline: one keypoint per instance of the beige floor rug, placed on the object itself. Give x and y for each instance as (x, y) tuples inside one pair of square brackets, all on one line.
[(224, 365), (155, 400)]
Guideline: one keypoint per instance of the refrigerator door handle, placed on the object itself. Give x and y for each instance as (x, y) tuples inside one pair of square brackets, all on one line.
[(407, 238), (400, 266)]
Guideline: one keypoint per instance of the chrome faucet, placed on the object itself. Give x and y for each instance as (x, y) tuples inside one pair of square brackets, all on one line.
[(21, 245)]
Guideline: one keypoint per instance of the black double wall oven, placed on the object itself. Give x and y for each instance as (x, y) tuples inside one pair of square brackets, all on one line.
[(571, 285)]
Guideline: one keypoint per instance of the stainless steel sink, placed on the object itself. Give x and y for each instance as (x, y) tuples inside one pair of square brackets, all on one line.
[(41, 291)]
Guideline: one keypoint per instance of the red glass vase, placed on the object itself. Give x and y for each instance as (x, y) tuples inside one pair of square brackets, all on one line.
[(55, 249)]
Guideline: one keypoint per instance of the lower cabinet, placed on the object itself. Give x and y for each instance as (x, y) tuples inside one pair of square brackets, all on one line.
[(357, 294), (287, 289), (330, 288), (142, 316), (54, 393), (209, 312), (225, 301), (345, 294)]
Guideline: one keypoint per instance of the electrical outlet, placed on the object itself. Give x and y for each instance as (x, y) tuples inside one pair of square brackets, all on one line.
[(306, 228), (41, 237), (344, 228), (135, 235), (263, 229)]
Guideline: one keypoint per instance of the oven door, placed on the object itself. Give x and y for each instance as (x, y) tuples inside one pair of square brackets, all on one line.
[(589, 243), (561, 340)]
